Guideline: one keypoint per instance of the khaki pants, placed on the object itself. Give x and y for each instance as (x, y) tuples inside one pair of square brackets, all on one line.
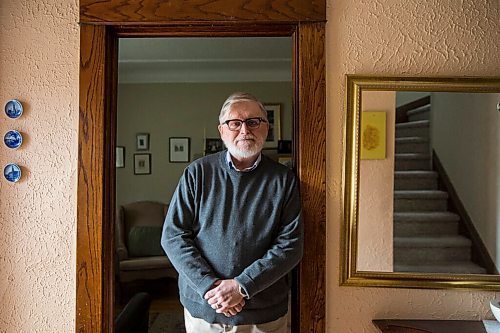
[(196, 325)]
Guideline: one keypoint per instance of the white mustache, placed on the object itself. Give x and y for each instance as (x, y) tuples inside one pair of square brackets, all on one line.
[(247, 137)]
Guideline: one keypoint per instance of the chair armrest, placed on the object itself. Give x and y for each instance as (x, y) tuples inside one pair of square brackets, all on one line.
[(121, 248), (135, 316)]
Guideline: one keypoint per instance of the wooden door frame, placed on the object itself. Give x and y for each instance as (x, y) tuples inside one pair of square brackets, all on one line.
[(97, 134)]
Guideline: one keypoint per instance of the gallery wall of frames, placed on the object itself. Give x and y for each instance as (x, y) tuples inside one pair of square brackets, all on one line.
[(162, 128)]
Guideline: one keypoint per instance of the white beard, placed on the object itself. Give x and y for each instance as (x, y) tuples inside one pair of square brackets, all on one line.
[(249, 151)]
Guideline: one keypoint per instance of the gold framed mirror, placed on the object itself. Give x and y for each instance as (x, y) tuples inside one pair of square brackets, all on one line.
[(421, 183)]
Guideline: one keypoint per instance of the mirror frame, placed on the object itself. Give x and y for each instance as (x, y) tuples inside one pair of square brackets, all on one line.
[(349, 274), (102, 23)]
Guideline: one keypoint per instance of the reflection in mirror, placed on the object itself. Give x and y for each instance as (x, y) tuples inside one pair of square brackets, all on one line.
[(170, 91), (422, 188)]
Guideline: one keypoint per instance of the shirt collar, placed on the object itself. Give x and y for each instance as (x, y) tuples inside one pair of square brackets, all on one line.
[(231, 164)]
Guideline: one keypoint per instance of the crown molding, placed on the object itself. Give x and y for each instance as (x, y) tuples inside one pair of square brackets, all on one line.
[(206, 70)]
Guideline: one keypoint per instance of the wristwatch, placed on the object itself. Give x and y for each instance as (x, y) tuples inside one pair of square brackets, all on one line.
[(242, 292)]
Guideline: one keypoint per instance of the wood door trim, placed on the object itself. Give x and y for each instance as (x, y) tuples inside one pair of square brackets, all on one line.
[(96, 178), (311, 151), (93, 203), (213, 29), (162, 12)]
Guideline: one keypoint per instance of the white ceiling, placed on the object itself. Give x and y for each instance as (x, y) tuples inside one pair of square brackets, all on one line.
[(223, 59)]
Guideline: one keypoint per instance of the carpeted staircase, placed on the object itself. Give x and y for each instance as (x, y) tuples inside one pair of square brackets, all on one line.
[(426, 237)]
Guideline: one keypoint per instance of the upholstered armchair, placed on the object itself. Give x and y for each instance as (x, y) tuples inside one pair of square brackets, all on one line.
[(138, 232)]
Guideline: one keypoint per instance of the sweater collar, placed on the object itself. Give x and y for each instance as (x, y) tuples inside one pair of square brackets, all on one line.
[(231, 164)]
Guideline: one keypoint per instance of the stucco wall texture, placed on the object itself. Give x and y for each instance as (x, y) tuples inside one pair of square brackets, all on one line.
[(39, 66), (419, 38), (39, 43)]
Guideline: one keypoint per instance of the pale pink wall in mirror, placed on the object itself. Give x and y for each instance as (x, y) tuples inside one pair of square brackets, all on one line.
[(376, 188)]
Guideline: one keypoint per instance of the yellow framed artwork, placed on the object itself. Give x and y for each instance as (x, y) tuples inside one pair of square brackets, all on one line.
[(373, 135)]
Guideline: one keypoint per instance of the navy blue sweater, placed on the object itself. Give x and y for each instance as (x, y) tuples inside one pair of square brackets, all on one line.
[(224, 224)]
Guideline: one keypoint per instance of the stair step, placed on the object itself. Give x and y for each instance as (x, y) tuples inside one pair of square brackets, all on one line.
[(455, 241), (410, 161), (415, 250), (415, 180), (426, 217), (425, 224), (420, 195), (413, 139), (412, 144), (413, 124), (418, 128), (420, 113), (457, 267), (420, 201)]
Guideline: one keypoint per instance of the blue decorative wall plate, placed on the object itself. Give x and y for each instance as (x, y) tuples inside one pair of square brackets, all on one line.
[(13, 109), (13, 139), (12, 172)]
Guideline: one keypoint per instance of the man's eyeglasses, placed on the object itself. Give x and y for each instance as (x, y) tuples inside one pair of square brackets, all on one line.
[(252, 123)]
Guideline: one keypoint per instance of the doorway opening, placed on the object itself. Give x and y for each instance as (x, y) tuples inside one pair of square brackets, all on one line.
[(169, 95), (96, 157)]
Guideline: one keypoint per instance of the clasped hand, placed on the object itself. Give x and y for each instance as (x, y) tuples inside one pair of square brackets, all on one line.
[(225, 297)]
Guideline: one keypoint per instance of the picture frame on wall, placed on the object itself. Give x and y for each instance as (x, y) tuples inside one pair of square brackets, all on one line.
[(142, 141), (142, 164), (120, 157), (213, 145), (274, 118), (179, 149)]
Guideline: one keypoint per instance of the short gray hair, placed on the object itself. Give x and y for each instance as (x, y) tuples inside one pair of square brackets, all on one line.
[(239, 97)]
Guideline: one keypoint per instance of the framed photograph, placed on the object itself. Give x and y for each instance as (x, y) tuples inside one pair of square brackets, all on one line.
[(142, 142), (274, 118), (142, 164), (179, 150), (213, 145), (120, 157)]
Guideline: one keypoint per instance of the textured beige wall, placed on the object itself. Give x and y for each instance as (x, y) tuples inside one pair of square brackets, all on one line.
[(398, 38), (39, 65), (39, 43)]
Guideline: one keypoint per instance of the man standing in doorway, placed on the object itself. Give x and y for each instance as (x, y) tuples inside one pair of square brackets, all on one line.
[(234, 229)]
